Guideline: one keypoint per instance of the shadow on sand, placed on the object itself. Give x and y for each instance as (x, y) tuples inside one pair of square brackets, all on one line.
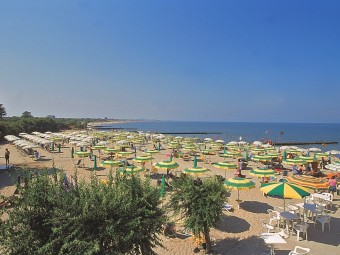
[(232, 224), (255, 207), (253, 245)]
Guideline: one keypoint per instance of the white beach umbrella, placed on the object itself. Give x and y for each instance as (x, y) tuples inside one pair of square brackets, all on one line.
[(257, 143), (314, 149)]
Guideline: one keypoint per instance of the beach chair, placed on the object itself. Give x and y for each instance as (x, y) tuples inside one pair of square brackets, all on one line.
[(323, 219), (298, 250), (228, 207), (301, 228)]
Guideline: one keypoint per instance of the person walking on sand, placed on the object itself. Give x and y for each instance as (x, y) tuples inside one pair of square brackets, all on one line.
[(7, 156)]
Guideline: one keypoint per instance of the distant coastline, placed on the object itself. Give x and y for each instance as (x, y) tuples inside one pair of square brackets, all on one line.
[(96, 124)]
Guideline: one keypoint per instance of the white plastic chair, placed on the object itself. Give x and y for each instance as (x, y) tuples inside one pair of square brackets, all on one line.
[(298, 250), (267, 227), (323, 219), (274, 217), (301, 228)]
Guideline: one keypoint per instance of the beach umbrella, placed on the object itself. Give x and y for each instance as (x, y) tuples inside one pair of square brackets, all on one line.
[(195, 170), (59, 148), (111, 163), (262, 172), (52, 146), (239, 183), (72, 152), (284, 190), (321, 154), (231, 154), (225, 166), (83, 154), (152, 151), (131, 169), (99, 147), (167, 164), (294, 161), (308, 182), (284, 156), (264, 158), (307, 159)]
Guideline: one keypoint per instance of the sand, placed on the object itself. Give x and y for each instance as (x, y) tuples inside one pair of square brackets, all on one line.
[(236, 233)]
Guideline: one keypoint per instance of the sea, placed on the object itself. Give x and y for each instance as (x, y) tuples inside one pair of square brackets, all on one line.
[(245, 131)]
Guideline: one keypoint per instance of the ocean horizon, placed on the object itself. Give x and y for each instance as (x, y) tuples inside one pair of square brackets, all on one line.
[(245, 131)]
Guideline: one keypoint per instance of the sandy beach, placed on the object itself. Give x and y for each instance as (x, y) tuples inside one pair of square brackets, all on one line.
[(238, 232)]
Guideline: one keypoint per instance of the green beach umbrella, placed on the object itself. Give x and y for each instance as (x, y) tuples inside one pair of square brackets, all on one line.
[(52, 146), (225, 166), (239, 183), (294, 161), (231, 154), (167, 164), (308, 159), (142, 159), (284, 190), (59, 148), (131, 169), (264, 158), (246, 157), (262, 172), (195, 170), (72, 152), (83, 154), (111, 163), (99, 147)]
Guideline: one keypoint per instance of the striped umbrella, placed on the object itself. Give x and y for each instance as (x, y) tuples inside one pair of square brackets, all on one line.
[(111, 163), (284, 190), (294, 161), (167, 164), (264, 158), (225, 166), (308, 182), (99, 147), (307, 159), (262, 172), (195, 170), (239, 183), (131, 169), (83, 154), (231, 154)]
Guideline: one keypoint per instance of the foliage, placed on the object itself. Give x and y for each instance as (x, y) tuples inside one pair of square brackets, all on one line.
[(26, 114), (199, 202), (16, 125), (2, 111), (70, 217)]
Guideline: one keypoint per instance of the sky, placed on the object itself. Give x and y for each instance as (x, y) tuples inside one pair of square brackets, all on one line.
[(190, 60)]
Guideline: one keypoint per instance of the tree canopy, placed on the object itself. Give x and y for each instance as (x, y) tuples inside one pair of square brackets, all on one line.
[(199, 202), (70, 217), (3, 112)]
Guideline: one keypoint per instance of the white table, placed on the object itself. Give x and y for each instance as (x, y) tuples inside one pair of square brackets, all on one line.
[(272, 238), (288, 216)]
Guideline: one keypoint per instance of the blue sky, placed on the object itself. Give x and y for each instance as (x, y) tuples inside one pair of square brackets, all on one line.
[(261, 61)]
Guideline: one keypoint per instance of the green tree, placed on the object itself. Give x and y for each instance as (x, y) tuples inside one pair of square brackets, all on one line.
[(26, 114), (63, 217), (2, 111), (199, 202)]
